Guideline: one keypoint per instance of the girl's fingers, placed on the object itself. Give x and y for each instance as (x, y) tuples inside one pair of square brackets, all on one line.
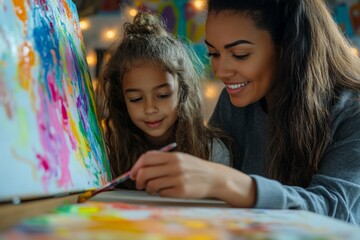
[(146, 174), (159, 184), (175, 192), (151, 158), (177, 175)]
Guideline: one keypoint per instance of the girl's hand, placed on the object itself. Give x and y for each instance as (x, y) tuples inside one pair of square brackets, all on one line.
[(182, 175)]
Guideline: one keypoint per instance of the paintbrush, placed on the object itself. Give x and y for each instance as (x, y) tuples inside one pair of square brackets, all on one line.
[(110, 185)]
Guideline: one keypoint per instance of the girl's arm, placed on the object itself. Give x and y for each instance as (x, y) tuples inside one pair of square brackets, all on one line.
[(184, 176)]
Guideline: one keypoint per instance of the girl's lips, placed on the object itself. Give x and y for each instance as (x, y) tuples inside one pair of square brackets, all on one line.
[(153, 124)]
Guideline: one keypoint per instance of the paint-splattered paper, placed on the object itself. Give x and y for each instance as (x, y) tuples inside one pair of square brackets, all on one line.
[(50, 138), (124, 221)]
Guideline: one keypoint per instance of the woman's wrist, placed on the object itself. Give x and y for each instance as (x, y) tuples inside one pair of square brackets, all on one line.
[(234, 187)]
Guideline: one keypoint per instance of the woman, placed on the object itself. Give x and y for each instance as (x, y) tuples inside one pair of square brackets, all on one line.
[(291, 102)]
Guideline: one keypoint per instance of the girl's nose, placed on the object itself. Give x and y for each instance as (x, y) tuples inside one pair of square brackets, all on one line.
[(150, 107)]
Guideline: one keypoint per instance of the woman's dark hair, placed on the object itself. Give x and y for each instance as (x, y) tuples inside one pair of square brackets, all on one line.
[(315, 63)]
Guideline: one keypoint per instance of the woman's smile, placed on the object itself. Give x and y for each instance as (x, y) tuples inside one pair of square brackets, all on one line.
[(236, 88)]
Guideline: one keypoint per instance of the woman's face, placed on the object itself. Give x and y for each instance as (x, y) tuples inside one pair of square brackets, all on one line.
[(243, 56)]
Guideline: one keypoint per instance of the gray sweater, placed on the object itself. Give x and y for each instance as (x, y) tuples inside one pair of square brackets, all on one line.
[(219, 153), (334, 190)]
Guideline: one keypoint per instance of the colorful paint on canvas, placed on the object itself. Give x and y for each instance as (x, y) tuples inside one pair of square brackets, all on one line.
[(50, 141), (125, 221)]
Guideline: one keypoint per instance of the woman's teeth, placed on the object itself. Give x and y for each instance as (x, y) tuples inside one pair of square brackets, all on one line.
[(235, 86)]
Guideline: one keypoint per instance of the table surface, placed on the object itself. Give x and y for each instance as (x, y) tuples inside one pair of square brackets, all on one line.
[(153, 217)]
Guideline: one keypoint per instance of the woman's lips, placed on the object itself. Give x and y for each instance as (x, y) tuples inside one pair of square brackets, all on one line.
[(235, 88)]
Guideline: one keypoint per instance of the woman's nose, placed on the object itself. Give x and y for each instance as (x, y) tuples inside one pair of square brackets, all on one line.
[(223, 68)]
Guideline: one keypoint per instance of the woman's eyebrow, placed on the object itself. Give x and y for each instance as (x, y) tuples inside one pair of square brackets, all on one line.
[(233, 44)]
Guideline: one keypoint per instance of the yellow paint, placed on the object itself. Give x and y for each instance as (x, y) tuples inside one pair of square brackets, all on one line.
[(26, 63), (195, 224), (20, 9), (82, 146), (88, 210), (85, 196)]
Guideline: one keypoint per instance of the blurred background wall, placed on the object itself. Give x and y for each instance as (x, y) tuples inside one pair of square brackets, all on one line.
[(101, 22)]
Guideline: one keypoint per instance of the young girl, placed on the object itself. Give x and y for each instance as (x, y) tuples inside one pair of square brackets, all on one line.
[(149, 96)]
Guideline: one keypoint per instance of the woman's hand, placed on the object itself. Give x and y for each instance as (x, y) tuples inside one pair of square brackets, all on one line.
[(182, 175)]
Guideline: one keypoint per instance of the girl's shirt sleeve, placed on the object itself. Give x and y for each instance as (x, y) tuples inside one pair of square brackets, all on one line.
[(219, 153)]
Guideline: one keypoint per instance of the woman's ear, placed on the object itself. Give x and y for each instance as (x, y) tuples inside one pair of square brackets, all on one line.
[(280, 53)]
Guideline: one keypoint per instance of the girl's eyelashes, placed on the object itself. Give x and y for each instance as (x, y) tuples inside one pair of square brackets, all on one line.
[(159, 96), (164, 95), (134, 100)]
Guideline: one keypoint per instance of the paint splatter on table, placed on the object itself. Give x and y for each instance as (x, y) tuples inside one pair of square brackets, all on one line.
[(95, 220)]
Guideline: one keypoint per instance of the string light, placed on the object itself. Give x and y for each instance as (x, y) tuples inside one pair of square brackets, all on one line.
[(95, 84), (211, 91), (132, 12), (355, 51), (91, 59), (199, 4), (84, 24), (110, 34)]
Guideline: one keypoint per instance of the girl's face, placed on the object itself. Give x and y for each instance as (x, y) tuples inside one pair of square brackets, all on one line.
[(151, 96), (243, 57)]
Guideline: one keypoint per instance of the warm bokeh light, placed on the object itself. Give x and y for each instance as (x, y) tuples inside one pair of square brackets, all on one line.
[(110, 34), (132, 12), (106, 57), (199, 4), (103, 125), (84, 24), (95, 84), (210, 91), (91, 59), (355, 51)]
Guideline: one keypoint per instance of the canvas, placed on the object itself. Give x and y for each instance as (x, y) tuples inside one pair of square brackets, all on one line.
[(50, 139)]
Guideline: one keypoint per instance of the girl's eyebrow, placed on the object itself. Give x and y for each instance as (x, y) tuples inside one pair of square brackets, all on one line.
[(139, 90), (230, 45)]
